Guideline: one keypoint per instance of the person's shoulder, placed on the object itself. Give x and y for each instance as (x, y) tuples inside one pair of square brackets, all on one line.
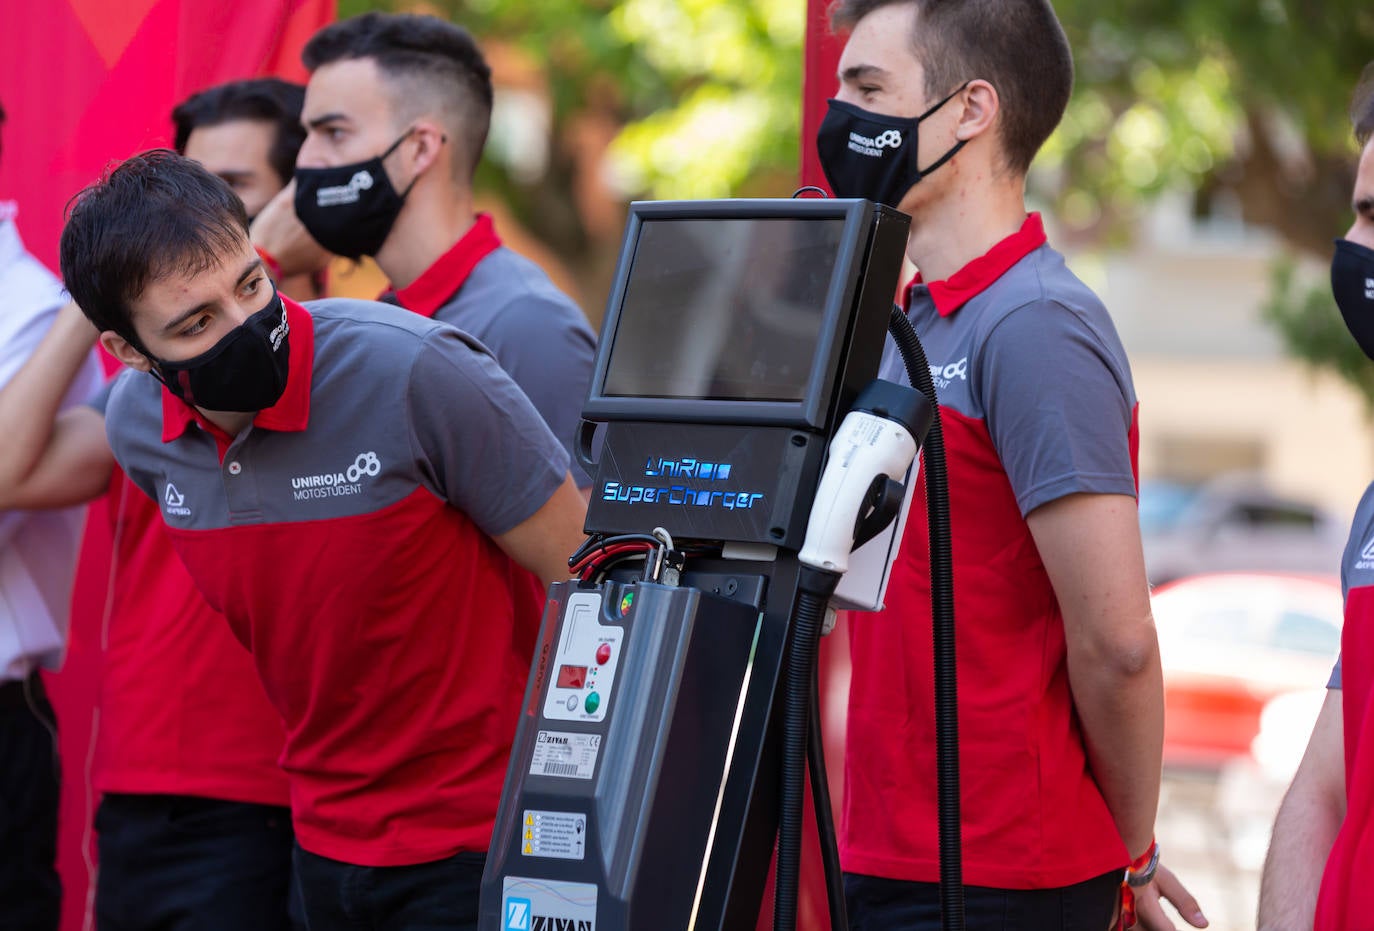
[(349, 316), (521, 289), (370, 342), (1042, 293), (1041, 278), (133, 410)]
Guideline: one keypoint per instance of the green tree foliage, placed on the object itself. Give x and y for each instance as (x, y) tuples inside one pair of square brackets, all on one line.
[(706, 95), (1242, 102)]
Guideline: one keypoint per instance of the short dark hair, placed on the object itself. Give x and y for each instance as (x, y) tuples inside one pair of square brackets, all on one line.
[(267, 100), (418, 52), (155, 214), (1017, 46), (1362, 106)]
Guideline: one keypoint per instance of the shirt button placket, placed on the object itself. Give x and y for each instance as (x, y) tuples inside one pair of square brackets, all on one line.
[(239, 488)]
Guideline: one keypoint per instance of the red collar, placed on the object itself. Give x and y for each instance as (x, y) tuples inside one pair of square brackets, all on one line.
[(975, 277), (426, 294), (291, 413)]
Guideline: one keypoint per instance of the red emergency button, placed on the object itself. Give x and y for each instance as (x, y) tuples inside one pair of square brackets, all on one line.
[(603, 654)]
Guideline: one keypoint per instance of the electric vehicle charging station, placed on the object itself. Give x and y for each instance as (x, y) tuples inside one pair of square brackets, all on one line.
[(746, 449)]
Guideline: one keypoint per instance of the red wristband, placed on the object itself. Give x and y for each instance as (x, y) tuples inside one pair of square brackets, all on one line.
[(270, 260), (1142, 861), (1145, 863)]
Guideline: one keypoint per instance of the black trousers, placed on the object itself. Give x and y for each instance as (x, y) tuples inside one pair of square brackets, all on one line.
[(877, 904), (437, 896), (181, 863), (30, 779)]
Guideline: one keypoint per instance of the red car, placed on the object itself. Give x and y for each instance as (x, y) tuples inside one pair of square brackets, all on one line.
[(1229, 643)]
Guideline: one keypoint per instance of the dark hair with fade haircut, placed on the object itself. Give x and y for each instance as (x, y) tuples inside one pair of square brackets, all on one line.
[(156, 214), (265, 100), (1362, 106), (1017, 46), (414, 48)]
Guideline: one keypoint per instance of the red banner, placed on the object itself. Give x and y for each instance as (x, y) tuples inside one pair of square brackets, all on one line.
[(85, 83)]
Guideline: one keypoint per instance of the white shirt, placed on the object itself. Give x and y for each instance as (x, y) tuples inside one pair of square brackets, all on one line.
[(37, 548)]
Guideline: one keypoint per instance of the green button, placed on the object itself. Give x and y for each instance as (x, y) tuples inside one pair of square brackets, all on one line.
[(592, 703)]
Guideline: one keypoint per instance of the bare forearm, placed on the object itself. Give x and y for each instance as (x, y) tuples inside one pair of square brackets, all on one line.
[(29, 402), (1122, 715), (1306, 827), (1090, 545), (1303, 834)]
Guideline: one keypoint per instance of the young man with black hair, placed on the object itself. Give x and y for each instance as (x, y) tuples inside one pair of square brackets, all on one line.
[(355, 534), (249, 133), (37, 562), (396, 113), (1315, 875), (941, 107), (193, 829)]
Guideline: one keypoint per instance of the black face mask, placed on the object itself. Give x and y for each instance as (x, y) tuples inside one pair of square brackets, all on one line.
[(873, 156), (245, 371), (1352, 284), (350, 209)]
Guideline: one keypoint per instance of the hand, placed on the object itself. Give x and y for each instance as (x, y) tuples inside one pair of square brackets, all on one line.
[(280, 232), (1150, 913)]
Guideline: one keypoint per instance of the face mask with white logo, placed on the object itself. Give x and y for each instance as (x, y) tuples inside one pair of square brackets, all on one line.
[(1352, 284), (350, 209), (869, 155), (245, 371)]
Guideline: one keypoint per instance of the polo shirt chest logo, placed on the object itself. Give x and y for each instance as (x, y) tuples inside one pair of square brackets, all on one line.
[(174, 502), (334, 484), (944, 375), (1366, 556)]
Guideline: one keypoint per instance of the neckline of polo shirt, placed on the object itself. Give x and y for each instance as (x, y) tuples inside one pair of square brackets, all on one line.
[(977, 276), (291, 413), (436, 284)]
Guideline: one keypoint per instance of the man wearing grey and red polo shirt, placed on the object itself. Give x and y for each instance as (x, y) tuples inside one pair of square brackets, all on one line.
[(355, 533), (940, 109), (405, 102)]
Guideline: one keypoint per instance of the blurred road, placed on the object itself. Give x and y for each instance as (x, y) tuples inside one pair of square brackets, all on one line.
[(1214, 830)]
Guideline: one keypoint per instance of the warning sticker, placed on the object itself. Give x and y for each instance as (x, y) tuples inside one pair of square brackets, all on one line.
[(560, 753), (547, 905), (561, 835)]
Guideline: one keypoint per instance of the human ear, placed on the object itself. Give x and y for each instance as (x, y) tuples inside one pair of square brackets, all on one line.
[(123, 350), (429, 138), (979, 110)]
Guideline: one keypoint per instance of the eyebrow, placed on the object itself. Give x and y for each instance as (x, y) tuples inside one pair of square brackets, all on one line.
[(858, 72), (181, 318), (319, 121)]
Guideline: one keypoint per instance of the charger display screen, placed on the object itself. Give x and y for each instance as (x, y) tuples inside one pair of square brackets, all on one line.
[(724, 310)]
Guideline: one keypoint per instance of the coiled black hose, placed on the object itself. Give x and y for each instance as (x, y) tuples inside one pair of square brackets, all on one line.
[(825, 817), (942, 623), (816, 587)]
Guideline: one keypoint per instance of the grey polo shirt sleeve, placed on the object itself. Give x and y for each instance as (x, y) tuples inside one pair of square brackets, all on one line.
[(1058, 404), (555, 369), (1335, 681), (475, 432), (101, 399)]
